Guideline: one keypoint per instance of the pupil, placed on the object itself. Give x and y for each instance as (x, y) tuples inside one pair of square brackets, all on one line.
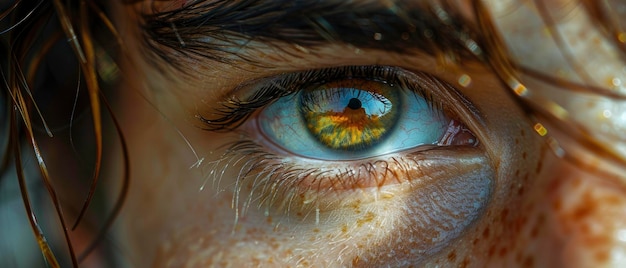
[(354, 104)]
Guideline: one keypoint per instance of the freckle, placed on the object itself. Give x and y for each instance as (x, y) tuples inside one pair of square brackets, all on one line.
[(452, 256), (503, 251), (529, 261), (369, 216), (492, 250), (612, 200), (475, 242), (582, 211), (539, 166), (585, 229), (601, 241), (523, 133), (524, 155), (344, 228), (355, 261), (504, 214), (537, 227), (534, 232), (516, 141), (601, 256), (520, 191), (541, 218), (486, 233), (465, 262), (269, 219), (521, 222), (496, 164), (316, 230), (517, 173), (557, 204)]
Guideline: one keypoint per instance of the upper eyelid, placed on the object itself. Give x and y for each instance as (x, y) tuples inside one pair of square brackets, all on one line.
[(231, 114), (235, 109)]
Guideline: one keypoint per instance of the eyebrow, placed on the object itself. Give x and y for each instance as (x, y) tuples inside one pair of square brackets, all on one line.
[(218, 30)]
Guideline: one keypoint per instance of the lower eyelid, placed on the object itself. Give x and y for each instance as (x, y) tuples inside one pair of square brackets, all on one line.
[(278, 182)]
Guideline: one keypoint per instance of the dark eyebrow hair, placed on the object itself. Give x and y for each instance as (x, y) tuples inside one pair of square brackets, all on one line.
[(220, 29)]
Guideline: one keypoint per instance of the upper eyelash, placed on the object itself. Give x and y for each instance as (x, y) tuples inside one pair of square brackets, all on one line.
[(234, 111)]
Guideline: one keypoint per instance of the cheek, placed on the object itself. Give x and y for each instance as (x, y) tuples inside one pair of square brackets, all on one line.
[(557, 216), (589, 214)]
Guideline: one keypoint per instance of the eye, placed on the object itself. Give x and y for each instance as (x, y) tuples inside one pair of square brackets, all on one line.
[(364, 112), (346, 128), (352, 118)]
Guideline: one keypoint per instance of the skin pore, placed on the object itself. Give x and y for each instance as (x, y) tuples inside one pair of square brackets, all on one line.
[(207, 190), (180, 211)]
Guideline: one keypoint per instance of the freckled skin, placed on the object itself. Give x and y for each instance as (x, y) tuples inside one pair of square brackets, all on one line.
[(542, 212)]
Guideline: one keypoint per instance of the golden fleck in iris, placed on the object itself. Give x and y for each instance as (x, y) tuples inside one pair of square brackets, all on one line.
[(339, 130), (359, 114)]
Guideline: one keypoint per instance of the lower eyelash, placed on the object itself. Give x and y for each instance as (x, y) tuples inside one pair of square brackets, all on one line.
[(274, 184)]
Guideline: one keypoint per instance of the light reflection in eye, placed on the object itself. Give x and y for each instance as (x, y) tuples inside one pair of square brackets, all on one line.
[(352, 119)]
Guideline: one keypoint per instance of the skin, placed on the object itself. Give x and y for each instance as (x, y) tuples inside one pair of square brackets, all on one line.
[(542, 211)]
